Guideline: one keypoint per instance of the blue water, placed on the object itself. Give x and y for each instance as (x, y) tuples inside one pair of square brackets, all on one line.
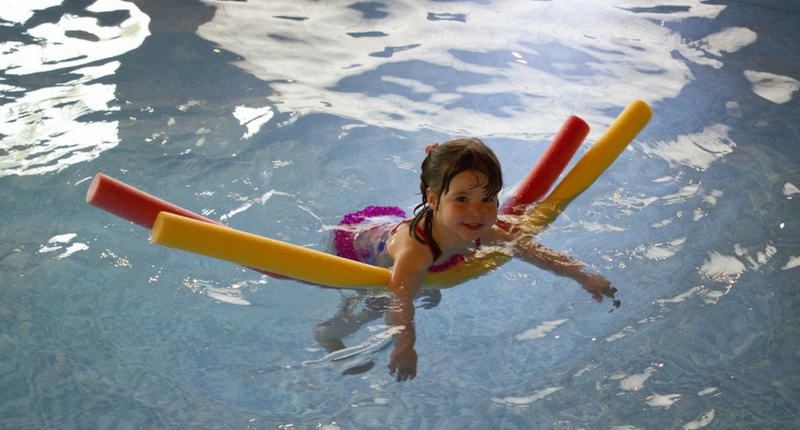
[(278, 118)]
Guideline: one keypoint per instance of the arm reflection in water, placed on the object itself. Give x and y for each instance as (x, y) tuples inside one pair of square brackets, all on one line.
[(362, 308)]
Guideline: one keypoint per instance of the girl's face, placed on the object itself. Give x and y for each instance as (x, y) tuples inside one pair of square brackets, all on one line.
[(465, 212)]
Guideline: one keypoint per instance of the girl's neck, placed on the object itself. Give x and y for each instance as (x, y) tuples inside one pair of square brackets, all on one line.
[(449, 243)]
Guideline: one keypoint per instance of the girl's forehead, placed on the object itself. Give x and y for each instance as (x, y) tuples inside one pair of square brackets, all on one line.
[(467, 180)]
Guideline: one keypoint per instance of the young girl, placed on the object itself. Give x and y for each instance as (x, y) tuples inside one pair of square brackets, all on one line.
[(460, 181)]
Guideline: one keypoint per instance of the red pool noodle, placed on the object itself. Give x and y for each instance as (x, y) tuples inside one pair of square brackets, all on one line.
[(137, 206), (130, 203), (550, 165)]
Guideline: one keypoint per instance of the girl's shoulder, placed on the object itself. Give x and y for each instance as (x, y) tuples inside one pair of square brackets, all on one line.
[(497, 236), (402, 238), (402, 246)]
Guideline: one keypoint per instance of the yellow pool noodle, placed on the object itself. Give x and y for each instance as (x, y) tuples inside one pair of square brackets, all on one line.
[(225, 243), (317, 267), (593, 163), (262, 253)]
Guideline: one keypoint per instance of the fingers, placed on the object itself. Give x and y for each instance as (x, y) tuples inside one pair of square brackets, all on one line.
[(405, 375), (606, 290), (608, 293), (402, 374)]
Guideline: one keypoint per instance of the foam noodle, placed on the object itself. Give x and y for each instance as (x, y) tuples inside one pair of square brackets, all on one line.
[(550, 165), (135, 205), (261, 253), (593, 163), (131, 204)]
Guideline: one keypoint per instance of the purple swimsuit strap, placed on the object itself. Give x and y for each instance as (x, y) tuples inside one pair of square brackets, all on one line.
[(451, 262)]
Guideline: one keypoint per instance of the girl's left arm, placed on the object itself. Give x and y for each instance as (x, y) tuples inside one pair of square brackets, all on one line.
[(557, 262)]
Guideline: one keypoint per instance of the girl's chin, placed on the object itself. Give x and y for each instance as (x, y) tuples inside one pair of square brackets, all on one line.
[(472, 233)]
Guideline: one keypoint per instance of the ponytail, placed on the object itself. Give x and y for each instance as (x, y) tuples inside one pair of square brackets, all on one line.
[(423, 212)]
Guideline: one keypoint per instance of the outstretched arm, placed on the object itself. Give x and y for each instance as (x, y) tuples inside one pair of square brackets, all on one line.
[(564, 265), (555, 261)]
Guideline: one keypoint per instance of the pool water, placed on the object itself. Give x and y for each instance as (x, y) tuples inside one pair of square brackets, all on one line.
[(280, 117)]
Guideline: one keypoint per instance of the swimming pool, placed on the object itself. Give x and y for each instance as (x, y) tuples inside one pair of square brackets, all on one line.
[(278, 118)]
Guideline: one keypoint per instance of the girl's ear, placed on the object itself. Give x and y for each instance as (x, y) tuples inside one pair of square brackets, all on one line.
[(430, 196)]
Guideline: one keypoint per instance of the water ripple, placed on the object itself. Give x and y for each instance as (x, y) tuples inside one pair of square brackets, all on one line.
[(46, 129), (406, 65)]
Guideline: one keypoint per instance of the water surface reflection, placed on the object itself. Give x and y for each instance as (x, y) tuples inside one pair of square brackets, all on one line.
[(47, 128), (503, 68)]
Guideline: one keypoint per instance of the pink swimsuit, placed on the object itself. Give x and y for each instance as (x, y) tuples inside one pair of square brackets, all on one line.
[(362, 236), (451, 262)]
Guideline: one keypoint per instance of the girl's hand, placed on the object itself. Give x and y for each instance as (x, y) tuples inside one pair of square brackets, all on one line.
[(403, 363), (598, 286)]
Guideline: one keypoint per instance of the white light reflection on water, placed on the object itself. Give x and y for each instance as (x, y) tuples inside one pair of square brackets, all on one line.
[(775, 88), (19, 12), (60, 241), (540, 331), (527, 400), (403, 64), (75, 41), (252, 118), (45, 129), (701, 422), (731, 39), (696, 150)]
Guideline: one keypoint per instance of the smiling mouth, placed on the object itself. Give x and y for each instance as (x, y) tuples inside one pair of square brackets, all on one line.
[(473, 226)]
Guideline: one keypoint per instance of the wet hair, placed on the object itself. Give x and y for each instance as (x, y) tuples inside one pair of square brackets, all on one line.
[(440, 166)]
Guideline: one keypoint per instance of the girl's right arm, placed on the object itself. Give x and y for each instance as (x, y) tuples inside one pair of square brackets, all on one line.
[(411, 261)]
